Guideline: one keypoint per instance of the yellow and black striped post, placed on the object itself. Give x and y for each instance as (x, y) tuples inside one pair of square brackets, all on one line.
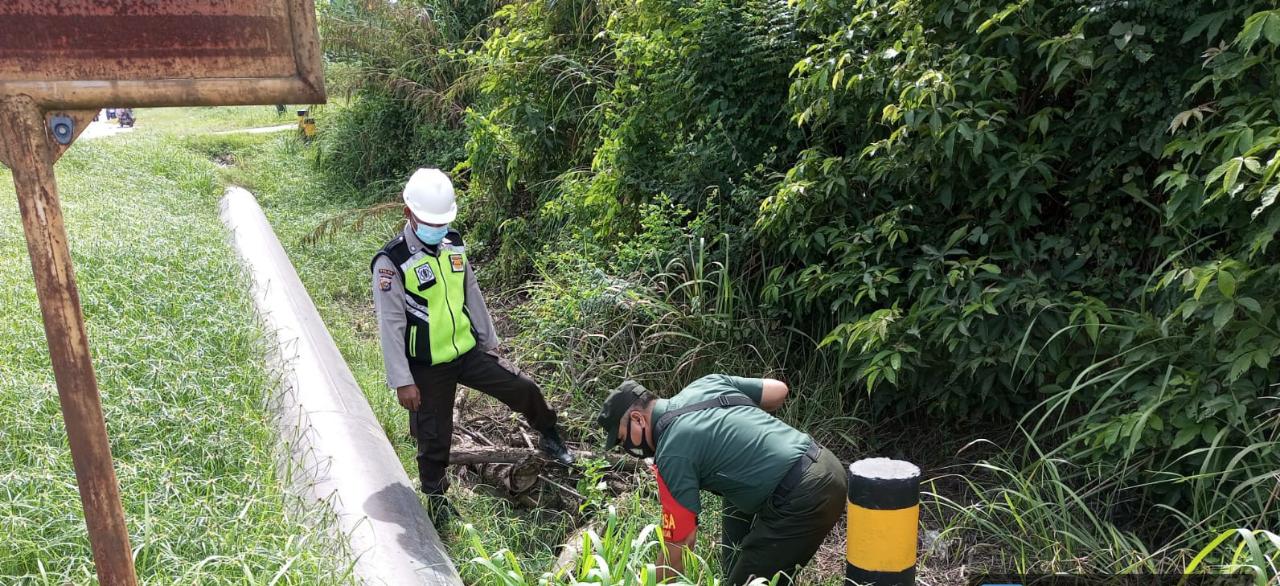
[(884, 522), (309, 128)]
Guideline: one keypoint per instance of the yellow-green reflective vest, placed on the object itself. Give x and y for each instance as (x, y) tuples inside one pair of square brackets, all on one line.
[(438, 329)]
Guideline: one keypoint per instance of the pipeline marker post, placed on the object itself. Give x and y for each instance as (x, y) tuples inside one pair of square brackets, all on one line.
[(883, 522)]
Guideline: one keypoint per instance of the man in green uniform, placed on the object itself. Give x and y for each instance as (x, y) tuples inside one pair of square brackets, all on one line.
[(436, 332), (782, 492)]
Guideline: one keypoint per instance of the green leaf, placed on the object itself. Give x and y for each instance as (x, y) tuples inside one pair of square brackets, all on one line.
[(1207, 431), (1184, 436), (1223, 314), (1232, 174), (1272, 28), (1251, 31), (1202, 284), (1227, 284), (1057, 70), (1239, 367), (1268, 198), (1250, 304)]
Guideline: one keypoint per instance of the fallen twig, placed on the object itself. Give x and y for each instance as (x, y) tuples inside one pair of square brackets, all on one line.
[(463, 455)]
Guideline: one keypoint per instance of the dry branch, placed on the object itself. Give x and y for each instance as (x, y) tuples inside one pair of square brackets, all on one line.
[(469, 454)]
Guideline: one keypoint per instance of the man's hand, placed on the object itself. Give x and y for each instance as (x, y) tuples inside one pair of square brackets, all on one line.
[(670, 562), (409, 397)]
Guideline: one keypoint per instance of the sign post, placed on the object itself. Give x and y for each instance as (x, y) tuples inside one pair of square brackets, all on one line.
[(59, 63)]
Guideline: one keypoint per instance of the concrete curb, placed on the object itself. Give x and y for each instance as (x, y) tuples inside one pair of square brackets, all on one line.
[(335, 440)]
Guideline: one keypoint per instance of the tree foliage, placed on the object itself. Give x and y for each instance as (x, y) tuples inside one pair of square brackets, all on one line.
[(1048, 212)]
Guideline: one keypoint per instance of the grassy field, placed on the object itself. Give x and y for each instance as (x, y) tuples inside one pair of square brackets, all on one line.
[(215, 119), (179, 359)]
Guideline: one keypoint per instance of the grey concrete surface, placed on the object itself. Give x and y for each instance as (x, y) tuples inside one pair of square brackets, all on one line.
[(340, 452)]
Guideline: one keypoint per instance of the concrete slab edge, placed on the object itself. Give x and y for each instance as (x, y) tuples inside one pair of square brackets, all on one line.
[(337, 444)]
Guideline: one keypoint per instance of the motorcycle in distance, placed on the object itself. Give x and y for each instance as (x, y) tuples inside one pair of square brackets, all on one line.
[(125, 115)]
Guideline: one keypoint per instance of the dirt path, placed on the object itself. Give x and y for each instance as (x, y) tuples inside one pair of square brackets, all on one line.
[(260, 130)]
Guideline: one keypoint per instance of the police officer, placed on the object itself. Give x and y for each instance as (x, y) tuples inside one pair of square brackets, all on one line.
[(782, 492), (436, 332)]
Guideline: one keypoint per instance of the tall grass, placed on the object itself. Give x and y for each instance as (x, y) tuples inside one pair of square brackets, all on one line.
[(621, 553), (180, 363), (1029, 510)]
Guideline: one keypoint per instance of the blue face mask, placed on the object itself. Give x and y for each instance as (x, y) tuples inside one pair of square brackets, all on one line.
[(430, 234)]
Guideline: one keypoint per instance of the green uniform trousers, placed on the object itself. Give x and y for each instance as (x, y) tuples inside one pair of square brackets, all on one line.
[(783, 536)]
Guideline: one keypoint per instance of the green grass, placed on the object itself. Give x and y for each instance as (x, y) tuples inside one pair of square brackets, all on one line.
[(214, 119), (179, 358)]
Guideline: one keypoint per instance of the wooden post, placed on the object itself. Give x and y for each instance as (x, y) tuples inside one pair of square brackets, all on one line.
[(27, 150)]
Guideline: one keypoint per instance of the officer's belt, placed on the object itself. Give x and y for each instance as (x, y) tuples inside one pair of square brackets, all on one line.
[(796, 473)]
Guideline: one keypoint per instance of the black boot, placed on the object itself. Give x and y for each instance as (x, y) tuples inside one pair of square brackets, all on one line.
[(441, 512), (554, 447)]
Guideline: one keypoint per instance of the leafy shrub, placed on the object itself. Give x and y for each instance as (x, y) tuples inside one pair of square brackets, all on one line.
[(536, 119), (1048, 213), (995, 214), (376, 143), (403, 82)]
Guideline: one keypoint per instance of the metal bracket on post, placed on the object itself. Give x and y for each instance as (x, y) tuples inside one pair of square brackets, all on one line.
[(79, 121), (63, 128)]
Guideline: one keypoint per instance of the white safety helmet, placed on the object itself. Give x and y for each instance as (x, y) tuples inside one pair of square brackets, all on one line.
[(429, 195)]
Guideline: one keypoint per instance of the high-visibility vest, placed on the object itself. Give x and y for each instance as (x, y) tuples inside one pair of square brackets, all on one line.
[(438, 329)]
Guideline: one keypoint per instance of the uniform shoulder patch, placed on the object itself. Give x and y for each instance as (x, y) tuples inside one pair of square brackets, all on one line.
[(384, 283), (677, 521), (457, 263)]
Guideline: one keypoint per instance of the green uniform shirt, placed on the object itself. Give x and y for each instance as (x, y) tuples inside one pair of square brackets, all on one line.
[(740, 453)]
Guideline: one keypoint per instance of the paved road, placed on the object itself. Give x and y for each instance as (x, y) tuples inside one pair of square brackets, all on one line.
[(103, 127)]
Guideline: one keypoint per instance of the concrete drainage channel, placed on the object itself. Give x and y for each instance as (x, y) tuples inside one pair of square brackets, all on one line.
[(334, 439)]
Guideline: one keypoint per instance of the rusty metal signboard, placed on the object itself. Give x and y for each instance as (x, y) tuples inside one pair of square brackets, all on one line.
[(62, 60), (93, 53)]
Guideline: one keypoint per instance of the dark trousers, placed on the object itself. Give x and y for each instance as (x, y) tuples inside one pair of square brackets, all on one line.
[(783, 536), (432, 423)]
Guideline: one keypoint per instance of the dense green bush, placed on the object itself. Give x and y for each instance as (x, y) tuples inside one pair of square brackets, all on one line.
[(1021, 209), (698, 101), (396, 63), (537, 121), (1046, 213), (375, 143)]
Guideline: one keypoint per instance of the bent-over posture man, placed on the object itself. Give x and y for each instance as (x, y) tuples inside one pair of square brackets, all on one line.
[(436, 332), (782, 491)]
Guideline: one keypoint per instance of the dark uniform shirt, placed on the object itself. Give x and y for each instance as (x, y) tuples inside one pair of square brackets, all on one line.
[(740, 453)]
